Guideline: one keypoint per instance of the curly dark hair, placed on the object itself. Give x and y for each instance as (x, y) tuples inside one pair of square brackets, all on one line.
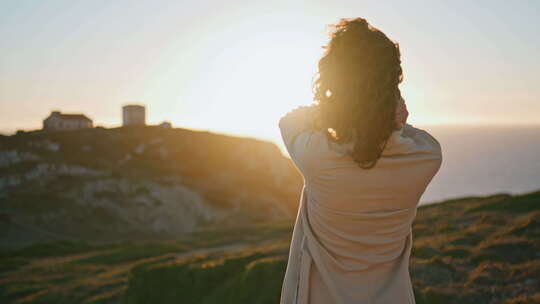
[(356, 88)]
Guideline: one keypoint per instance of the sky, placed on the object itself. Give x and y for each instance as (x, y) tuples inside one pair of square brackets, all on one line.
[(236, 67)]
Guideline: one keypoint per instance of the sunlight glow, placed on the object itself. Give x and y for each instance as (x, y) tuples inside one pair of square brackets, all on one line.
[(237, 68)]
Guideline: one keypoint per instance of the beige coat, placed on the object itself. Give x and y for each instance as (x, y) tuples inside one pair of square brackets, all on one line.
[(352, 237)]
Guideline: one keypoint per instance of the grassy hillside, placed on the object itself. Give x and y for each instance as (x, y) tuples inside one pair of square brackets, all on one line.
[(80, 272), (138, 183), (469, 250)]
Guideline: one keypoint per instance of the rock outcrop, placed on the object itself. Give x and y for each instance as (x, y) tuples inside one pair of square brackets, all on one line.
[(142, 182)]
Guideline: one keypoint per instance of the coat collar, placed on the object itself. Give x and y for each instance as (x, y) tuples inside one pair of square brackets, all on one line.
[(399, 142)]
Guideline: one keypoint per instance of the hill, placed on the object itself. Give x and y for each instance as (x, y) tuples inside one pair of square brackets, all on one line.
[(468, 250), (138, 183)]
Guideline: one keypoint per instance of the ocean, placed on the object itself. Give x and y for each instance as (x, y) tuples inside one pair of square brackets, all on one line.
[(485, 160)]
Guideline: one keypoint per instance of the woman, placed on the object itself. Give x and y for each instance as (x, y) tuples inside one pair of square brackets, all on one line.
[(365, 169)]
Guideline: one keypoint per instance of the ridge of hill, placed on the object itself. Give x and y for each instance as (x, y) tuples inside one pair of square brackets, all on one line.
[(138, 182)]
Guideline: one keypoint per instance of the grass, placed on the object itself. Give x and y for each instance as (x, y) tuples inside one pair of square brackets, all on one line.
[(475, 250), (208, 280), (41, 250), (81, 272), (131, 253), (517, 204)]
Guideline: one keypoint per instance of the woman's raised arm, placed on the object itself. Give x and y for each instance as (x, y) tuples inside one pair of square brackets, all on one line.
[(297, 121)]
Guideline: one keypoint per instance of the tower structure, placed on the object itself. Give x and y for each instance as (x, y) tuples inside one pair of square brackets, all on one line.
[(133, 115)]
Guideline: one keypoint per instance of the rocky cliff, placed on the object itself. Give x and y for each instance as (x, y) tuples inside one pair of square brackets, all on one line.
[(140, 182)]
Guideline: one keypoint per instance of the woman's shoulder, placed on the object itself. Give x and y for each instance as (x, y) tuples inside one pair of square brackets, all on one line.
[(422, 136), (315, 150), (410, 139), (407, 139)]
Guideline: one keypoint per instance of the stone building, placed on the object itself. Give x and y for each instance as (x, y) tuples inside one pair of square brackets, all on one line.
[(133, 115), (59, 121)]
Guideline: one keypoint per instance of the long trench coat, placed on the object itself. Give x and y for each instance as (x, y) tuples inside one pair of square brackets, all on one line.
[(352, 238)]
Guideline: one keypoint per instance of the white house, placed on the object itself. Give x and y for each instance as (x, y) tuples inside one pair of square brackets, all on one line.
[(59, 121)]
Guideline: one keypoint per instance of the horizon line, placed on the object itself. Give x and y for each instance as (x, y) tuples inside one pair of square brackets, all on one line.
[(9, 132)]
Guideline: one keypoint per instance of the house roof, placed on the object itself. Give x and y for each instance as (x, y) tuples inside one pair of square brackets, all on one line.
[(74, 116), (132, 106)]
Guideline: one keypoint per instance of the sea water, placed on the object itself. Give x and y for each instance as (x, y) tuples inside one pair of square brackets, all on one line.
[(484, 160)]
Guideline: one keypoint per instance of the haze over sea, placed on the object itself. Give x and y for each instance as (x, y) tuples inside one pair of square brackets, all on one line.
[(483, 160)]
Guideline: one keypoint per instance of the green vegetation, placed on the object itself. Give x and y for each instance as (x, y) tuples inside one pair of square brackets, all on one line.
[(52, 249), (516, 204), (222, 279), (478, 250), (81, 272), (131, 253), (470, 250)]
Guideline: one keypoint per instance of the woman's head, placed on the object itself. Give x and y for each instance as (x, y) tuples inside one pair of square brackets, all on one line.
[(357, 88)]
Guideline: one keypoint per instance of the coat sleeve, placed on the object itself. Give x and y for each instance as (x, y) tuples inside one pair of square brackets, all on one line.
[(299, 136), (424, 139)]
